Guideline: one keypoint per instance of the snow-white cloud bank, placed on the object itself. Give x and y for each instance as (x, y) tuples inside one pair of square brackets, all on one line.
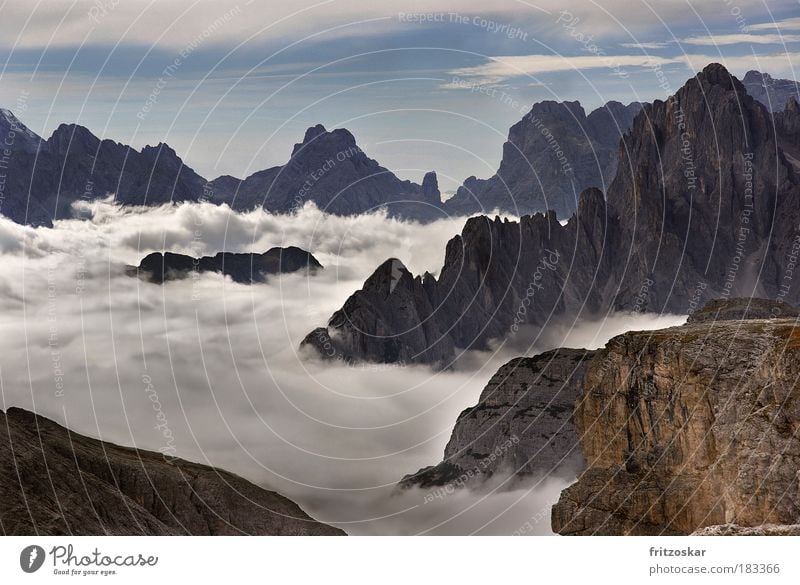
[(211, 369)]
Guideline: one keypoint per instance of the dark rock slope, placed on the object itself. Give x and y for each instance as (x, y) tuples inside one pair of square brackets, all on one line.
[(245, 268), (522, 426), (397, 309), (55, 482), (687, 428), (552, 154), (705, 204)]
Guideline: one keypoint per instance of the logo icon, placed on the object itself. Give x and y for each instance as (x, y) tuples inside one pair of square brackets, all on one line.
[(31, 558)]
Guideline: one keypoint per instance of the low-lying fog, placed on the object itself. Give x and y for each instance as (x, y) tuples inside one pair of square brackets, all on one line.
[(211, 368)]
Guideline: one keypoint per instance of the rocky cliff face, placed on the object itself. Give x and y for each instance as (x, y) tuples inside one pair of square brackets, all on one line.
[(244, 268), (704, 204), (773, 93), (56, 482), (706, 172), (499, 277), (397, 309), (552, 154), (686, 428), (691, 429), (522, 425)]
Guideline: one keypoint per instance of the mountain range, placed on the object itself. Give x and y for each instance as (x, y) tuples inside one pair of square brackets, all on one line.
[(54, 481), (554, 153), (43, 178), (705, 204)]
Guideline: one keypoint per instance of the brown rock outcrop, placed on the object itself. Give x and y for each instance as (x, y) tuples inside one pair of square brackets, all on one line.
[(689, 427)]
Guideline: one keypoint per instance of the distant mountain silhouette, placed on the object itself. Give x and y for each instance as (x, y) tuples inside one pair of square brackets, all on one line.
[(45, 177), (552, 154), (773, 93)]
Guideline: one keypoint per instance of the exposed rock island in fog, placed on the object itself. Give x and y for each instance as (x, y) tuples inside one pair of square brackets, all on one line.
[(246, 268)]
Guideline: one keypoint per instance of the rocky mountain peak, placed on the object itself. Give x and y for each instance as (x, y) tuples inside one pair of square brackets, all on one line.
[(754, 76), (552, 154), (591, 199), (430, 188), (717, 74), (162, 149), (14, 135), (559, 108), (72, 137), (319, 142), (312, 132), (388, 276)]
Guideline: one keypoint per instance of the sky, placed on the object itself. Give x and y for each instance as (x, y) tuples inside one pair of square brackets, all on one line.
[(433, 85)]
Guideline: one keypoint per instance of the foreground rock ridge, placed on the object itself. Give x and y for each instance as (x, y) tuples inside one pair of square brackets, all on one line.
[(246, 268), (521, 428), (688, 428), (705, 204), (56, 482)]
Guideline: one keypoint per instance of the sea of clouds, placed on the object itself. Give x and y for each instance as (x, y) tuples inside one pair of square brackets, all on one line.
[(209, 370)]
